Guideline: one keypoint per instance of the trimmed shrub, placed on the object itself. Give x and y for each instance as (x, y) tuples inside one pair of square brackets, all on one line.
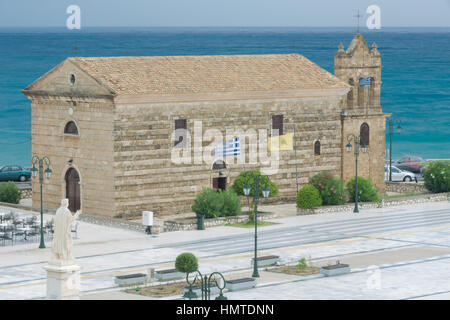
[(231, 203), (239, 183), (186, 262), (9, 192), (366, 190), (208, 202), (437, 176), (214, 203), (308, 197), (331, 188)]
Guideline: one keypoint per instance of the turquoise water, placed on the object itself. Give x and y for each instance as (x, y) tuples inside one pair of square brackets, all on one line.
[(416, 70)]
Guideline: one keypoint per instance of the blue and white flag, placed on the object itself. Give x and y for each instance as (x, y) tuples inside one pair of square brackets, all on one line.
[(228, 148), (364, 81)]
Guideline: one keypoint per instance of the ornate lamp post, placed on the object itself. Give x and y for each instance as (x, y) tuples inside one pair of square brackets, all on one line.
[(391, 132), (48, 172), (265, 192), (356, 140)]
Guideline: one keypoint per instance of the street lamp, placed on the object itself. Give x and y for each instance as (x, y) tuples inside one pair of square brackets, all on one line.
[(391, 132), (265, 192), (364, 148), (48, 173)]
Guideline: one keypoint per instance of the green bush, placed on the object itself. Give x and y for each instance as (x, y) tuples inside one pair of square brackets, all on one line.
[(231, 203), (186, 262), (308, 197), (366, 190), (209, 203), (239, 183), (437, 176), (214, 203), (9, 192), (331, 188)]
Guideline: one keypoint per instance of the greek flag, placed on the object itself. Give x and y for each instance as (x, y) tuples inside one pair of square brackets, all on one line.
[(228, 148), (364, 82)]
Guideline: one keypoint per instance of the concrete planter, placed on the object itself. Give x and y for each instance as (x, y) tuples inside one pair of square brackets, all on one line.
[(241, 284), (130, 279), (168, 274), (335, 270), (266, 261)]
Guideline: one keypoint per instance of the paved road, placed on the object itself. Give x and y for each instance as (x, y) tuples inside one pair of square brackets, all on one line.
[(226, 253), (319, 232)]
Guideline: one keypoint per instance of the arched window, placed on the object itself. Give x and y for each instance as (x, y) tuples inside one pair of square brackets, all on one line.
[(317, 148), (71, 128), (350, 94), (364, 132)]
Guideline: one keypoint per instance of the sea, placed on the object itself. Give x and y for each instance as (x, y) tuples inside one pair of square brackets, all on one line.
[(415, 70)]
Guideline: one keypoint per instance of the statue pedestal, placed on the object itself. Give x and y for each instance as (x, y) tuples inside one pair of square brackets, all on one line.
[(63, 282)]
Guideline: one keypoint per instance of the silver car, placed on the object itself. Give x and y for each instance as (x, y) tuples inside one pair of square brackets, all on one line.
[(399, 175)]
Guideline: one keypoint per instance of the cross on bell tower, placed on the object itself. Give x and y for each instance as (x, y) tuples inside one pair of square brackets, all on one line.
[(358, 16)]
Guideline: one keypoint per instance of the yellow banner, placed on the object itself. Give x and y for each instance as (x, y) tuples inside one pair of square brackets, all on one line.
[(284, 143)]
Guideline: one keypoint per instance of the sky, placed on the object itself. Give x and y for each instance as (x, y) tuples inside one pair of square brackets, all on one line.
[(223, 13)]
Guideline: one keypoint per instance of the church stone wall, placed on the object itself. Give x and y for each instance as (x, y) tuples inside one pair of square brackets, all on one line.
[(91, 151), (146, 178)]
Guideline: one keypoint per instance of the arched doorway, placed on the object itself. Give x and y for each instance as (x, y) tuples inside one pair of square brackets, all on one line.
[(73, 189), (219, 181)]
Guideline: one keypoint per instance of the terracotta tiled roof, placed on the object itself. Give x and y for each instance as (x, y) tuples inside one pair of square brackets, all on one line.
[(207, 74)]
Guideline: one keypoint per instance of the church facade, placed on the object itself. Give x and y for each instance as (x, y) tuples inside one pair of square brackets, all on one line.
[(111, 126)]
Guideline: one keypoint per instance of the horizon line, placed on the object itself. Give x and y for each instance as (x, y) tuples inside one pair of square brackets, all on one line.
[(93, 26)]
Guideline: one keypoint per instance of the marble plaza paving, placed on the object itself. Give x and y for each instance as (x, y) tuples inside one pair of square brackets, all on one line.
[(105, 252)]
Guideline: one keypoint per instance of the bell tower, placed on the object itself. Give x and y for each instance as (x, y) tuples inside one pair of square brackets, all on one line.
[(360, 67), (360, 63)]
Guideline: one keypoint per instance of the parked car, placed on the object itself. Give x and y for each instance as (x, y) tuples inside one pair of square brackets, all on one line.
[(14, 173), (399, 175), (410, 163)]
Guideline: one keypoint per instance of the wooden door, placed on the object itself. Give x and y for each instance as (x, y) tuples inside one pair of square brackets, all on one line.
[(73, 189)]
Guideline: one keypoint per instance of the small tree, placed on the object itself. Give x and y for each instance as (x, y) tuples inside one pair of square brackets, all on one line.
[(186, 262), (9, 192), (239, 182), (366, 190), (437, 176), (308, 197), (231, 203), (208, 202)]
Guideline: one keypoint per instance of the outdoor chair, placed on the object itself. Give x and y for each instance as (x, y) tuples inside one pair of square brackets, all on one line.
[(75, 228), (8, 217), (35, 231), (7, 235), (49, 227), (18, 233)]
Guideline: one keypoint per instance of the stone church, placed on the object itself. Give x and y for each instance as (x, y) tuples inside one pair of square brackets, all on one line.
[(107, 124)]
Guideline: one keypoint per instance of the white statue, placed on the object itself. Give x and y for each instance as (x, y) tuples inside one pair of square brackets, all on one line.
[(62, 238)]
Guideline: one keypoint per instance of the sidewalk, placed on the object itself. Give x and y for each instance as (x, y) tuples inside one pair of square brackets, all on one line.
[(97, 239)]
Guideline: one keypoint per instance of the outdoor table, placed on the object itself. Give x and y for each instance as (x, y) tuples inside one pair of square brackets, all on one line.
[(25, 230)]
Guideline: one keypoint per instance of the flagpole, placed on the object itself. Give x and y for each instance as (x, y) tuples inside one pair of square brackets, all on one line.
[(295, 157)]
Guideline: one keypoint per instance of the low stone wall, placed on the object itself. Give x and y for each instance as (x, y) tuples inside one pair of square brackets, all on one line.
[(406, 187), (26, 193), (380, 204), (191, 224), (116, 223)]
